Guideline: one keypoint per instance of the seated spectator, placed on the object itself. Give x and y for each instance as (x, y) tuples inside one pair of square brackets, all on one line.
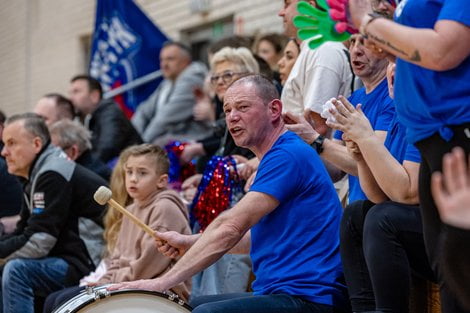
[(287, 61), (54, 107), (381, 238), (11, 197), (10, 192), (227, 65), (167, 114), (111, 131), (134, 256), (289, 221), (232, 272), (270, 48), (46, 252), (74, 140), (376, 104)]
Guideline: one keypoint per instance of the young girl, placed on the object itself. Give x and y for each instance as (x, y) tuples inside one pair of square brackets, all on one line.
[(134, 255)]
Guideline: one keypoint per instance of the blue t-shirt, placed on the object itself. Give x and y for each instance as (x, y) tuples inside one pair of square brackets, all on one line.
[(295, 248), (379, 109), (397, 145), (427, 101)]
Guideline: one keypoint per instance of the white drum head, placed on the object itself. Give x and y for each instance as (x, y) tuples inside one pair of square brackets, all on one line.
[(128, 301)]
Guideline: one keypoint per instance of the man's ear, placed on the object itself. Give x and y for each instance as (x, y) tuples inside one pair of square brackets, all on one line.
[(95, 96), (162, 181), (37, 143), (74, 152), (275, 107)]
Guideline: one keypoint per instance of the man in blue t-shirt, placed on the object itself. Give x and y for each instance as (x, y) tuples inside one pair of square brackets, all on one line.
[(291, 209), (381, 239), (376, 105)]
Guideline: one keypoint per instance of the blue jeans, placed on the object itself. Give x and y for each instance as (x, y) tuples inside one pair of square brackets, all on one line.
[(230, 274), (247, 303), (22, 279)]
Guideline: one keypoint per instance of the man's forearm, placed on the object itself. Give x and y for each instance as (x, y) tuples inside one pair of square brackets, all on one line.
[(243, 246), (338, 155), (217, 240), (369, 184)]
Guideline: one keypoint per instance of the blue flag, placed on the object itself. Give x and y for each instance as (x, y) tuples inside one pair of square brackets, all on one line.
[(126, 45)]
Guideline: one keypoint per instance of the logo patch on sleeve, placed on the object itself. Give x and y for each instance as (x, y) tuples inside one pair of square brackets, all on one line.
[(38, 203)]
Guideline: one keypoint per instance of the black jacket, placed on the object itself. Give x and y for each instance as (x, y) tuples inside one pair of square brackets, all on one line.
[(58, 194), (111, 131), (91, 162), (10, 192)]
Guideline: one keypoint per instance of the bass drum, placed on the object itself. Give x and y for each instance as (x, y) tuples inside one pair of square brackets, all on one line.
[(100, 300)]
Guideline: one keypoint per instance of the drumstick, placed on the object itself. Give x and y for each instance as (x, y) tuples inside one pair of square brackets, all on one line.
[(103, 195)]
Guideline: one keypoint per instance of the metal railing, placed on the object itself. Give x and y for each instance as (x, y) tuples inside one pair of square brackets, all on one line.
[(133, 84)]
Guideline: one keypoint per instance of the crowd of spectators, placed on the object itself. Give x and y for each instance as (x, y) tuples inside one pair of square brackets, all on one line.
[(383, 109)]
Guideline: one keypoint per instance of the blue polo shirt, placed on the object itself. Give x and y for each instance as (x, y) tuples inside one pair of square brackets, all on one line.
[(429, 101), (295, 248), (379, 109), (397, 144)]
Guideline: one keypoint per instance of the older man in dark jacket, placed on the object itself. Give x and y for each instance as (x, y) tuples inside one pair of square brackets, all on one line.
[(46, 252)]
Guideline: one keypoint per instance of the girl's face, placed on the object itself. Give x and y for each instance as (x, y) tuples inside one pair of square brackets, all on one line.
[(267, 51), (142, 179), (291, 52)]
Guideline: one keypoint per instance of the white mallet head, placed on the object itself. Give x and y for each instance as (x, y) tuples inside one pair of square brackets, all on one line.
[(103, 195)]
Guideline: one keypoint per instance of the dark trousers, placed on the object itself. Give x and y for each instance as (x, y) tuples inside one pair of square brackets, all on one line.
[(56, 299), (380, 245), (247, 303), (448, 248)]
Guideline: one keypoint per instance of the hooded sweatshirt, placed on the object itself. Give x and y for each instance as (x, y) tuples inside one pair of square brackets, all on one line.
[(135, 255)]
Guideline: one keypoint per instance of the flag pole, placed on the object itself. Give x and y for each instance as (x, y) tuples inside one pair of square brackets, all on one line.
[(133, 84)]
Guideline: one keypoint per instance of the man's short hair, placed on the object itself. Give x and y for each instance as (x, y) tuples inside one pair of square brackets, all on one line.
[(185, 50), (241, 57), (64, 106), (158, 154), (34, 124), (69, 133), (93, 84), (265, 88), (3, 117)]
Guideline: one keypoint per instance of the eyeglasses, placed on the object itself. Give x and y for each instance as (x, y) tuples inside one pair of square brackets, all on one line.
[(227, 77)]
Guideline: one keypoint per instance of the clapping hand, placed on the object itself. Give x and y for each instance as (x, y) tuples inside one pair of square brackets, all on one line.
[(351, 121)]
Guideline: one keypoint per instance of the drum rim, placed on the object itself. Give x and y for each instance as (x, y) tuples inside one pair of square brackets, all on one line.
[(136, 291)]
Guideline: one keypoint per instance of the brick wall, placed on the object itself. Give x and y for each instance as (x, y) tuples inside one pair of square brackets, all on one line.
[(43, 41)]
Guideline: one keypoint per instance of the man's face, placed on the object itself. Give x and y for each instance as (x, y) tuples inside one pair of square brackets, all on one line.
[(288, 12), (20, 149), (47, 108), (172, 62), (246, 115), (82, 99), (365, 64)]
